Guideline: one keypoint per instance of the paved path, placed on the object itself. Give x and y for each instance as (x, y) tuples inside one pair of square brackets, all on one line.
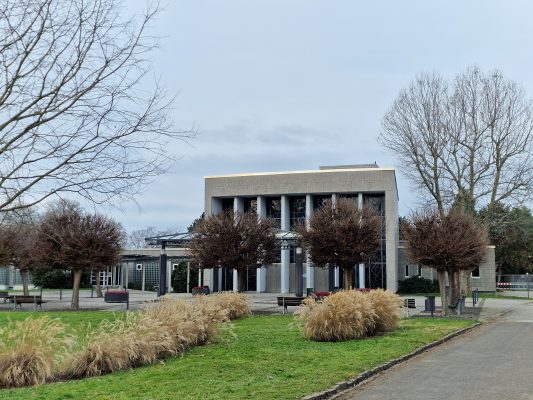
[(494, 361)]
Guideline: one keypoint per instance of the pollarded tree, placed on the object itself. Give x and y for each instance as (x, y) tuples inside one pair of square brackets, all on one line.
[(17, 247), (451, 243), (69, 238), (76, 115), (342, 235), (234, 240)]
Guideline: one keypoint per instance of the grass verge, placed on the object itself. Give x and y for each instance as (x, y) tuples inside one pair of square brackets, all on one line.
[(265, 359)]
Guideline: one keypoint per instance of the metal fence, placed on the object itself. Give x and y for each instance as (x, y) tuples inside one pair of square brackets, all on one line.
[(514, 282)]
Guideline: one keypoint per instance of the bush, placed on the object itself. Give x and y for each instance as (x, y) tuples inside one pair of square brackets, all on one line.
[(162, 329), (343, 315), (179, 278), (57, 279), (387, 307), (30, 350), (236, 304), (417, 284)]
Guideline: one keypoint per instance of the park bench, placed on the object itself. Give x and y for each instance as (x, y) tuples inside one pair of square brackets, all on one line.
[(290, 302), (18, 300), (4, 295), (118, 296)]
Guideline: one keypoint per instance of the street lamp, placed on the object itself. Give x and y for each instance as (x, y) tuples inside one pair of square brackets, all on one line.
[(527, 278)]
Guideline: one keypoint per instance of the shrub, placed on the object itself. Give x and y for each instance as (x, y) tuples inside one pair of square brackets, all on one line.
[(343, 315), (417, 284), (387, 307), (162, 329), (236, 304), (30, 350)]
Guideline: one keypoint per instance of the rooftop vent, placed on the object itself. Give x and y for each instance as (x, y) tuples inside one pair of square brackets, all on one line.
[(353, 166)]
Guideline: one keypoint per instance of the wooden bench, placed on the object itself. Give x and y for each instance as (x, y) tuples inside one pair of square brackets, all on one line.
[(118, 296), (18, 300), (289, 302)]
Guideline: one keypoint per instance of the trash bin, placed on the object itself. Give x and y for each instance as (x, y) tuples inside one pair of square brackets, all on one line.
[(430, 304)]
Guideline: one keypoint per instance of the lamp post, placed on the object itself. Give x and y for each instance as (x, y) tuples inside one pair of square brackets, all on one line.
[(527, 278)]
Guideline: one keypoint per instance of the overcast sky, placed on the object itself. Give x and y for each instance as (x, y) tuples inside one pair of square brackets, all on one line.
[(289, 85)]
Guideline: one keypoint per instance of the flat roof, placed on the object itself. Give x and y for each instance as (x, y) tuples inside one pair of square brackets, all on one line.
[(312, 171)]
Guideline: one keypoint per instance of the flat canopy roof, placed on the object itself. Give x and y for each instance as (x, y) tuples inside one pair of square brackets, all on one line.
[(181, 239), (312, 171)]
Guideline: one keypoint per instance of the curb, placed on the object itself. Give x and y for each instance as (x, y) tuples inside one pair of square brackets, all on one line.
[(342, 386)]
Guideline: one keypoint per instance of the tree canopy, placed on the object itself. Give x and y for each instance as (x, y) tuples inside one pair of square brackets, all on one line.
[(471, 136), (450, 243), (342, 235), (233, 240)]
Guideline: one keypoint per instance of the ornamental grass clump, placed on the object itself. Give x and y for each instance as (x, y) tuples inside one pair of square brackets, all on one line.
[(387, 307), (236, 304), (31, 350), (162, 329), (342, 316)]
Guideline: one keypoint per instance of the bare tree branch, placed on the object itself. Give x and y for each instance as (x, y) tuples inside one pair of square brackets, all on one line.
[(75, 115)]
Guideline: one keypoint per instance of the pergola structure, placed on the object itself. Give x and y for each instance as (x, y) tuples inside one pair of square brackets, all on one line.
[(180, 240)]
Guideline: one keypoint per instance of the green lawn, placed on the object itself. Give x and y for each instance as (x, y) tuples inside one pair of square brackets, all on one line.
[(265, 359)]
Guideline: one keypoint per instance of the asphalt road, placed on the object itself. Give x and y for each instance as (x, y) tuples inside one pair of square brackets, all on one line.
[(494, 361)]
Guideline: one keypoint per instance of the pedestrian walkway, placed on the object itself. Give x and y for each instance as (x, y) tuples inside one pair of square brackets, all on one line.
[(491, 362)]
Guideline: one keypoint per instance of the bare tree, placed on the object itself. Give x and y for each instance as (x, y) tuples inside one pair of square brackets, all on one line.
[(449, 244), (471, 137), (234, 241), (17, 249), (75, 115), (71, 239), (135, 239), (342, 235)]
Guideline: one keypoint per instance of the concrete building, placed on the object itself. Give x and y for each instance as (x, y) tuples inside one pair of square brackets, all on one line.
[(482, 278), (290, 198)]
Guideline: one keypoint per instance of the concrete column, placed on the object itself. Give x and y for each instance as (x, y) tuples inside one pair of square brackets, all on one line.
[(361, 267), (333, 199), (189, 277), (361, 276), (219, 288), (261, 279), (337, 280), (11, 276), (169, 277), (216, 206), (309, 269), (235, 280), (261, 271), (238, 205), (285, 252), (238, 208)]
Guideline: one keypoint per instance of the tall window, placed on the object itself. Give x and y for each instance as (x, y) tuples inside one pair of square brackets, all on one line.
[(419, 270), (250, 204), (296, 211), (227, 204), (475, 273), (407, 271), (273, 205), (320, 199)]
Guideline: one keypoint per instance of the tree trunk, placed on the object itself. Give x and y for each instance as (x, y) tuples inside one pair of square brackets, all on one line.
[(98, 285), (347, 278), (25, 281), (241, 280), (75, 303), (442, 287), (453, 277), (465, 286)]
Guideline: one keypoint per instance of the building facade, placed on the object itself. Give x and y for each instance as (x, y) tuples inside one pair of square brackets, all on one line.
[(290, 198)]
